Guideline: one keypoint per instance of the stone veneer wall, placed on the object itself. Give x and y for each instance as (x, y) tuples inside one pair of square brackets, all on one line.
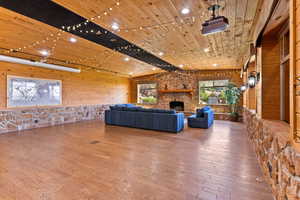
[(279, 161), (23, 119), (191, 79)]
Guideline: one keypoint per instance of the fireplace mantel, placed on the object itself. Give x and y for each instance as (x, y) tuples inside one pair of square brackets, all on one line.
[(177, 91)]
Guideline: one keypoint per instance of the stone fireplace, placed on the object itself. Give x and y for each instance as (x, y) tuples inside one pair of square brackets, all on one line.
[(177, 105), (184, 87)]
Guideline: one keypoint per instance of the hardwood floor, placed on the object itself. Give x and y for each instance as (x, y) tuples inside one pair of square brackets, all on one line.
[(88, 161)]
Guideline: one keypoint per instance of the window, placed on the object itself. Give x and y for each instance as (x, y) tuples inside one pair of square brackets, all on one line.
[(285, 45), (22, 91), (285, 75), (212, 92), (147, 93)]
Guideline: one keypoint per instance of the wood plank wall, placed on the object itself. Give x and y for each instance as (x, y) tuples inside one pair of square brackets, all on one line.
[(85, 88), (271, 78)]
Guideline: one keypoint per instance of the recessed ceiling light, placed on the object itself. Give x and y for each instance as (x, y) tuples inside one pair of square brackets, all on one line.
[(115, 26), (44, 52), (73, 40), (206, 50), (126, 59), (215, 65), (161, 53), (181, 65), (153, 68), (130, 73), (185, 11)]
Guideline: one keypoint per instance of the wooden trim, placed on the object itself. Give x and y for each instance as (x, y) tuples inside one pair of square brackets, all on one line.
[(177, 91), (293, 76)]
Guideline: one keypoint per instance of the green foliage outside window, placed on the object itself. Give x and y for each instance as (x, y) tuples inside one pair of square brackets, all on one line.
[(213, 92), (216, 92), (150, 100)]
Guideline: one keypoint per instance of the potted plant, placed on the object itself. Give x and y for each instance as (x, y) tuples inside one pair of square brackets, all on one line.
[(232, 94)]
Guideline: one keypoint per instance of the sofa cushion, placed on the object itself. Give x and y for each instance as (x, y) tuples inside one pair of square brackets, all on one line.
[(132, 109), (206, 108), (168, 111), (149, 110), (121, 107), (128, 105), (155, 110), (200, 112), (143, 109), (116, 107)]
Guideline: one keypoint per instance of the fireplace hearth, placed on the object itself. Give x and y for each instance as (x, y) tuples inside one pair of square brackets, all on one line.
[(177, 105)]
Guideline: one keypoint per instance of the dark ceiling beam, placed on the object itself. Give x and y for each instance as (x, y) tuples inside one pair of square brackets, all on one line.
[(50, 13)]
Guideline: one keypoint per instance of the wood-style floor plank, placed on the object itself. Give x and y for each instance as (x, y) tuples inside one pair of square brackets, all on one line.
[(91, 161)]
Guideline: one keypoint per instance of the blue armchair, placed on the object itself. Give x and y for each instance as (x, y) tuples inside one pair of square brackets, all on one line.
[(203, 118)]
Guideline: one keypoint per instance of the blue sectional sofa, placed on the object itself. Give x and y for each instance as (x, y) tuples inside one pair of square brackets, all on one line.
[(203, 118), (138, 117)]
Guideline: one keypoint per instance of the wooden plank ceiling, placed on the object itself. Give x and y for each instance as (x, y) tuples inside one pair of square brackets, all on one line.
[(155, 25)]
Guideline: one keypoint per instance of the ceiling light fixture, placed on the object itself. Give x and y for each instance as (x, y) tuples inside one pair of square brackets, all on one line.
[(185, 11), (73, 40), (44, 52), (161, 53), (153, 68), (181, 65), (115, 26), (126, 59), (206, 50), (131, 73), (215, 65)]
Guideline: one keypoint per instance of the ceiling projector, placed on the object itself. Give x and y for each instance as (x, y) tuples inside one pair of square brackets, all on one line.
[(216, 24)]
